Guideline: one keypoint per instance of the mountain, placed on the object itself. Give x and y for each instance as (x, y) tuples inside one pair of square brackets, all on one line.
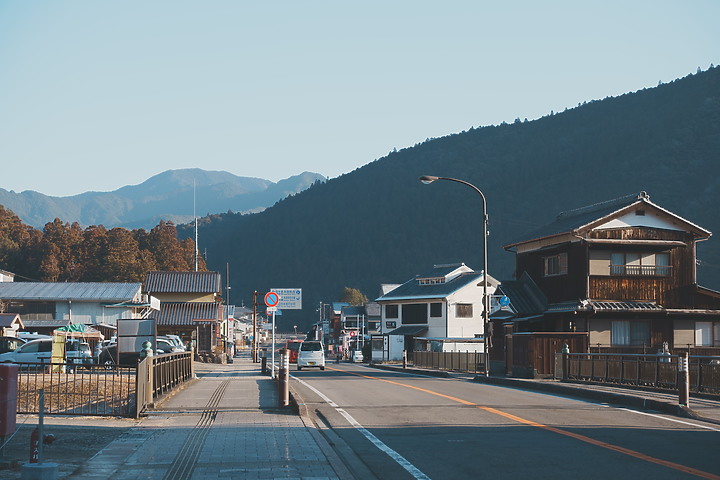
[(379, 224), (166, 196)]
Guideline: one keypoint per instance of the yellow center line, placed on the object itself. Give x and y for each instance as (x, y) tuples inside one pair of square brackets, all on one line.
[(577, 436)]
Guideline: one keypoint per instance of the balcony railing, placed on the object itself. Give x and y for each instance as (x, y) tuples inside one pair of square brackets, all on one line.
[(641, 270)]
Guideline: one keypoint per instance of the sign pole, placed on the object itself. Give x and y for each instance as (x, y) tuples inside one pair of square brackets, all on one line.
[(272, 363)]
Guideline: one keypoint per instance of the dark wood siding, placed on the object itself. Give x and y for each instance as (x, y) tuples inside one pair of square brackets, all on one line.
[(670, 291), (558, 288)]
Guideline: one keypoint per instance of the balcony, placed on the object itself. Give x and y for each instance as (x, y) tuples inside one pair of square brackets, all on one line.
[(641, 270)]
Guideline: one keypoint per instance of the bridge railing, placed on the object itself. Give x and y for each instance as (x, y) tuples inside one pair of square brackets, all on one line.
[(656, 371)]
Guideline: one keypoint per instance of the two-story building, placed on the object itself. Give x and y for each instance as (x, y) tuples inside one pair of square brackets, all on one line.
[(190, 306), (446, 302), (622, 272)]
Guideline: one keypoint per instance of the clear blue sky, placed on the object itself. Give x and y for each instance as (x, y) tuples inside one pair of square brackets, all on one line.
[(95, 95)]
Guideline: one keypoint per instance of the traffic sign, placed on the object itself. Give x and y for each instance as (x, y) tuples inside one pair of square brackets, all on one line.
[(290, 298), (272, 299)]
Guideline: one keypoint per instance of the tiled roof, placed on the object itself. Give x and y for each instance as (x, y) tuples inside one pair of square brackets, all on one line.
[(573, 220), (612, 306), (62, 291), (183, 282), (525, 296), (188, 313)]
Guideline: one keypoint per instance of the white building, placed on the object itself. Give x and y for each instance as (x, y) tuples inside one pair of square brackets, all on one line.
[(446, 302)]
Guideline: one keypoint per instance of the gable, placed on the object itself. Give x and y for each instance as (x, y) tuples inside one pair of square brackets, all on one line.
[(632, 219)]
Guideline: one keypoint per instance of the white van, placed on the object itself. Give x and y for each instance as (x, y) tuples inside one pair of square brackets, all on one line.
[(311, 354)]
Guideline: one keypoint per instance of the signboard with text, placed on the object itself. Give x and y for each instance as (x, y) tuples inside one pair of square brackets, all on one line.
[(290, 298)]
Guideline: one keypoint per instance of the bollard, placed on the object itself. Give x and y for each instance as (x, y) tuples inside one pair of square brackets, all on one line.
[(404, 359), (683, 380), (263, 365), (565, 361), (283, 381)]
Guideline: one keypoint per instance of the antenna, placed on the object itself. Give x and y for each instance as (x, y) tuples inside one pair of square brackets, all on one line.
[(197, 252)]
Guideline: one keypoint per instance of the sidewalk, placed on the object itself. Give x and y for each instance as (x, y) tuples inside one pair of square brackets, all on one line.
[(225, 424), (702, 409)]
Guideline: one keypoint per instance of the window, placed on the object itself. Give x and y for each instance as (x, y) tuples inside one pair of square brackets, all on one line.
[(414, 313), (626, 332), (436, 310), (431, 281), (391, 311), (464, 310), (634, 263), (707, 334), (556, 265)]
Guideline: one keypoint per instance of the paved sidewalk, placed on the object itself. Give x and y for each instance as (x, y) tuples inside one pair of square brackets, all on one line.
[(224, 425)]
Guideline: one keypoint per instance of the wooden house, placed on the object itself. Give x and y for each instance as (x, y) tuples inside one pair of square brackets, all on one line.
[(190, 306), (623, 272)]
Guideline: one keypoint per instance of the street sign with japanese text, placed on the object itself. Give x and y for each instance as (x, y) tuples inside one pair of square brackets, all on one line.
[(290, 298)]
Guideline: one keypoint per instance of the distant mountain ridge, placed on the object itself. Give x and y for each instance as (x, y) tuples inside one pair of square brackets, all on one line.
[(166, 196), (379, 224)]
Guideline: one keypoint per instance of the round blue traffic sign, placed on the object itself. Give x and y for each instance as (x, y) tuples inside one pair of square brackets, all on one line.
[(272, 299)]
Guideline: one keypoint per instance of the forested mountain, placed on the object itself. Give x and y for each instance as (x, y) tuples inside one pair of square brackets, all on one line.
[(379, 224), (167, 196)]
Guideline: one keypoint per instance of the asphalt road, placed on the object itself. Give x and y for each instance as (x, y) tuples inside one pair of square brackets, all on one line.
[(390, 425)]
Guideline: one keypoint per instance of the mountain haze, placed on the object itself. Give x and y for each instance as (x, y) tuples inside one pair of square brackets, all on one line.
[(167, 196), (379, 224)]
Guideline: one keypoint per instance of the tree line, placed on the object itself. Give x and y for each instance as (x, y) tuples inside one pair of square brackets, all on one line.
[(64, 252)]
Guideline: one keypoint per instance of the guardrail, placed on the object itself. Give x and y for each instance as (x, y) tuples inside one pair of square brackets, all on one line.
[(471, 362), (655, 371)]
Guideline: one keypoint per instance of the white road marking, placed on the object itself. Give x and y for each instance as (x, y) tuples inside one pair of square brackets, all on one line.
[(402, 461), (662, 417)]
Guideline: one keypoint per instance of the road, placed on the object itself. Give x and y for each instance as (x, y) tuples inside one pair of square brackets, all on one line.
[(390, 425)]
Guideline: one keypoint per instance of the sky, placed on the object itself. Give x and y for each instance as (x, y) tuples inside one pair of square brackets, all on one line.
[(96, 95)]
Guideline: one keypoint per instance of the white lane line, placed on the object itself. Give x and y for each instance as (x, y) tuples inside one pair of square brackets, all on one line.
[(662, 417), (402, 461)]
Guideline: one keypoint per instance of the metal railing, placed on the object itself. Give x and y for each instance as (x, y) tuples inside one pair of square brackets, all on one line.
[(472, 362), (656, 371), (159, 375), (76, 390), (102, 390)]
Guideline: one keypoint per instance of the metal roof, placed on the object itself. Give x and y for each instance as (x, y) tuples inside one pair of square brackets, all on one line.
[(79, 291), (412, 290), (188, 313), (525, 296), (183, 282)]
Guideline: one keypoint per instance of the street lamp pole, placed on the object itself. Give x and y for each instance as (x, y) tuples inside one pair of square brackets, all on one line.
[(427, 179)]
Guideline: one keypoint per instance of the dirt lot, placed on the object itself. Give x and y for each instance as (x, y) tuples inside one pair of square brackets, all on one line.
[(77, 439)]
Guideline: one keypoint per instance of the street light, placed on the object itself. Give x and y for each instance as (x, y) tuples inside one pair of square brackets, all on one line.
[(427, 179)]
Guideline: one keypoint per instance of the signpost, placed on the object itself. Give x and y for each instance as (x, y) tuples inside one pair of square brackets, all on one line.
[(285, 299)]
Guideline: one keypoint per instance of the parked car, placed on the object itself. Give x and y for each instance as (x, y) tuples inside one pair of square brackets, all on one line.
[(356, 356), (109, 357), (10, 344), (78, 353), (177, 341), (311, 354), (174, 341), (164, 345), (34, 351)]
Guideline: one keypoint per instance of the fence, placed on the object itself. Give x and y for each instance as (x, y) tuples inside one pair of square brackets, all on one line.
[(73, 390), (102, 390), (473, 362), (656, 371)]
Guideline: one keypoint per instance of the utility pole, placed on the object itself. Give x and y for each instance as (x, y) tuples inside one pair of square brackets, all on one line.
[(254, 340)]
